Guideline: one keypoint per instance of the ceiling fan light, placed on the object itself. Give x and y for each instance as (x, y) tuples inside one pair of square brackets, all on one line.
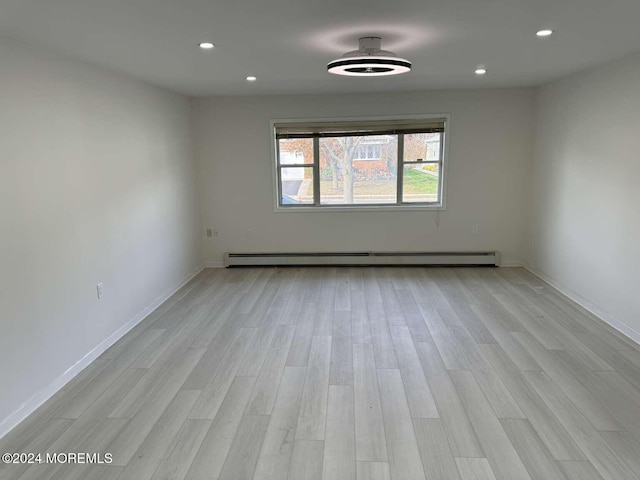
[(369, 61), (369, 66)]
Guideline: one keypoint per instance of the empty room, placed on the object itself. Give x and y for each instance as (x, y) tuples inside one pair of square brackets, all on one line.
[(300, 240)]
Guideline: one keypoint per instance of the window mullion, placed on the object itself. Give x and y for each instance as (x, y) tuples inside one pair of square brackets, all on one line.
[(278, 174), (440, 172), (400, 168), (316, 171), (280, 189)]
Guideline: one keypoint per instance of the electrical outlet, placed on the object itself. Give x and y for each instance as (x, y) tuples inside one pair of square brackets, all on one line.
[(215, 234), (249, 232), (475, 230), (209, 233), (100, 290)]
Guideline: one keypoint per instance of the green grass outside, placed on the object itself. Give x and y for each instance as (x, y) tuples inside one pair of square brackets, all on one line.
[(414, 183)]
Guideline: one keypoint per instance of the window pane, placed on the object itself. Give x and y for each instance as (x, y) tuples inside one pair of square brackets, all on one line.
[(358, 170), (422, 147), (297, 185), (296, 151), (420, 182)]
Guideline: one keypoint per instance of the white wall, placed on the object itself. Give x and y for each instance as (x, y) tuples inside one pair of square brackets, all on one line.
[(586, 195), (97, 184), (490, 153)]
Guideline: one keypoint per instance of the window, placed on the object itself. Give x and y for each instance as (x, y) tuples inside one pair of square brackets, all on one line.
[(372, 163), (371, 151)]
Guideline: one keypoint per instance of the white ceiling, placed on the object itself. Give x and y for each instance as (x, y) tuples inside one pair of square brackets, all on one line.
[(287, 43)]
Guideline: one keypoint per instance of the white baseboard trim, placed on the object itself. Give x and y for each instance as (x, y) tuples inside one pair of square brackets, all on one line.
[(511, 263), (32, 404), (213, 264), (603, 315)]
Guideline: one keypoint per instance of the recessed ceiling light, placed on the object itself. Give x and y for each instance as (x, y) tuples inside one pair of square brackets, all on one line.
[(251, 78), (544, 33), (369, 61), (206, 45), (481, 71)]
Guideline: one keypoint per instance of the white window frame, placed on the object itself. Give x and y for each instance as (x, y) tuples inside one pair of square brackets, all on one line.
[(441, 206)]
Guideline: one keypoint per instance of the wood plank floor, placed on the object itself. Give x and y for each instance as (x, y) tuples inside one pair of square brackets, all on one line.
[(351, 374)]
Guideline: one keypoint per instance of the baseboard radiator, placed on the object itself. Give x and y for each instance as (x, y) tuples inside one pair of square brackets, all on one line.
[(362, 258)]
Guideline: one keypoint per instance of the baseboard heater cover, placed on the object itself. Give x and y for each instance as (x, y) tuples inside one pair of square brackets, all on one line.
[(362, 258)]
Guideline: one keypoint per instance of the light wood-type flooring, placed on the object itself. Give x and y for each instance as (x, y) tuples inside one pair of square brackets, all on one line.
[(351, 374)]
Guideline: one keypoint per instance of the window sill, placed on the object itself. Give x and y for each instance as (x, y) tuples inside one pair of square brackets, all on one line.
[(361, 208)]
